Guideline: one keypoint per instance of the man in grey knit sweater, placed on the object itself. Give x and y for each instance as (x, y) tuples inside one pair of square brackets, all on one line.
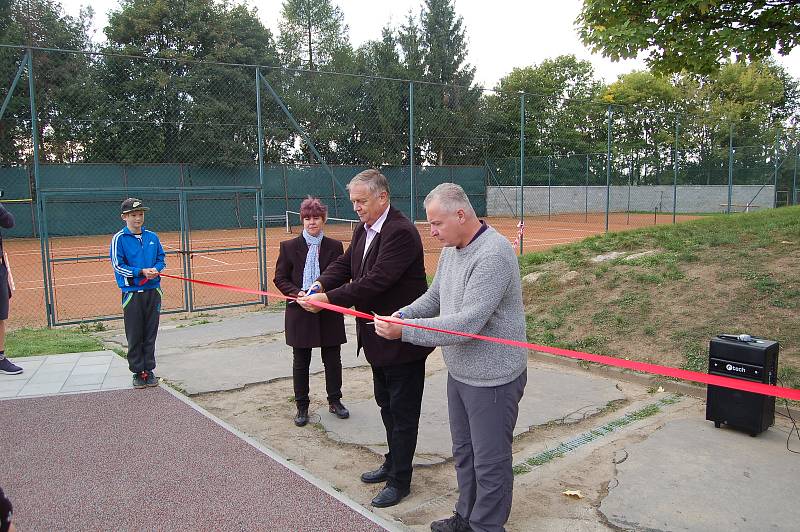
[(476, 290)]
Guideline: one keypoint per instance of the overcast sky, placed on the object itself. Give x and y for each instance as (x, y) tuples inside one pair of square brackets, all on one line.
[(502, 34)]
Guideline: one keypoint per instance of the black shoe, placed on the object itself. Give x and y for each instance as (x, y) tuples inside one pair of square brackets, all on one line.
[(139, 380), (151, 380), (9, 368), (301, 419), (451, 524), (389, 496), (337, 408), (378, 475)]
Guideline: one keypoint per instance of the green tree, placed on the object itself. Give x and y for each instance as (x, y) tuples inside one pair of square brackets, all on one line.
[(644, 124), (312, 32), (448, 107), (61, 80), (167, 107), (692, 35), (411, 47), (380, 132), (562, 113)]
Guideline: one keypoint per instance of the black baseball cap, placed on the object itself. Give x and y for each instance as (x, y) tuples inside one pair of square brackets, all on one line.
[(133, 204)]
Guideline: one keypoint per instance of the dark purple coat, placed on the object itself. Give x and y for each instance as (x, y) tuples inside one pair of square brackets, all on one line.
[(391, 276), (306, 329)]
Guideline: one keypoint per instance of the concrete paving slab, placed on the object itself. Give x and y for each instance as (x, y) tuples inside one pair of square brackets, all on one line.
[(181, 334), (96, 360), (228, 361), (67, 373), (11, 388), (47, 388), (587, 395), (55, 368), (65, 359), (42, 377), (80, 380), (94, 369), (692, 476), (216, 369), (116, 383)]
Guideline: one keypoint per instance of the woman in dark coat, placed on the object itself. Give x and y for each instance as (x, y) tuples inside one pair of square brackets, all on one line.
[(300, 262)]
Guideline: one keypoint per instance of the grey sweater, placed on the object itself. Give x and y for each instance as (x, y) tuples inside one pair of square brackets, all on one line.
[(476, 290)]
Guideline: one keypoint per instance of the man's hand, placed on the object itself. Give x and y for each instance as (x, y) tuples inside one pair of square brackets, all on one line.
[(150, 273), (390, 331), (304, 302)]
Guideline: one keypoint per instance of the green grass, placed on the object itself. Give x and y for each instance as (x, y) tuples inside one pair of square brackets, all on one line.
[(30, 342), (718, 274)]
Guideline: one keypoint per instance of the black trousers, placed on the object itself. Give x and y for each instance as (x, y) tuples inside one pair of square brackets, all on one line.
[(141, 311), (398, 392), (331, 358)]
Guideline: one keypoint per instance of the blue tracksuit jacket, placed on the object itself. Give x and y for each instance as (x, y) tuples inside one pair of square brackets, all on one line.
[(129, 256)]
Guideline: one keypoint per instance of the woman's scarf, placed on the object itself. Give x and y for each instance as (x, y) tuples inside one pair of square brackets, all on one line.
[(311, 270)]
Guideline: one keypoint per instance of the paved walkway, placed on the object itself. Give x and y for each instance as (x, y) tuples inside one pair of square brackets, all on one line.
[(63, 374)]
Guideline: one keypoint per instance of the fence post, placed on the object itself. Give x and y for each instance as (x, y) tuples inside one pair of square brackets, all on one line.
[(675, 172), (610, 115), (730, 169), (261, 208), (630, 180), (521, 168), (586, 193), (794, 177), (411, 142), (549, 182), (775, 178), (43, 237)]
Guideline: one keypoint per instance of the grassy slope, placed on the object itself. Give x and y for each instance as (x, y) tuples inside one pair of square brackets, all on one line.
[(721, 274)]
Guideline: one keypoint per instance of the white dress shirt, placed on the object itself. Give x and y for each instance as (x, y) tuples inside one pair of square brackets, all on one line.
[(373, 230)]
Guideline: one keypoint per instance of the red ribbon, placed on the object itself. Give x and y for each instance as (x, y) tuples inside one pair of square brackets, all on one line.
[(655, 369)]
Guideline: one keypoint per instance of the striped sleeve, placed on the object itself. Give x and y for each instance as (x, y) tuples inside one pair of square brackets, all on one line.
[(118, 257)]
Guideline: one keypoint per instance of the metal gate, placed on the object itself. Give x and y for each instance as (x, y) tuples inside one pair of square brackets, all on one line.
[(209, 233)]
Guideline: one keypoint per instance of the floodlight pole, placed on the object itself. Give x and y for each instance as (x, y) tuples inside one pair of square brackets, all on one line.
[(521, 169), (260, 207), (610, 114), (411, 143)]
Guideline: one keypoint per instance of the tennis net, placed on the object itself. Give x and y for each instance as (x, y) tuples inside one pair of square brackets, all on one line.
[(338, 228)]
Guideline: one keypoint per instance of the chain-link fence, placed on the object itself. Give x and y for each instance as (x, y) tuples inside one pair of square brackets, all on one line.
[(225, 152)]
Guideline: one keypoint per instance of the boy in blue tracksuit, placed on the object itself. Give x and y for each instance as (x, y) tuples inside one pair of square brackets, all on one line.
[(136, 255)]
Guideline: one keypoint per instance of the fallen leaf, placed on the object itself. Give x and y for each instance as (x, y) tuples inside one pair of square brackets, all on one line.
[(574, 493)]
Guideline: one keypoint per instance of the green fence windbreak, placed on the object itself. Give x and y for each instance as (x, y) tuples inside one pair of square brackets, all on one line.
[(15, 184)]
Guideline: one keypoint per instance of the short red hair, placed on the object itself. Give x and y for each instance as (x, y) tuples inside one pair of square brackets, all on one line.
[(312, 207)]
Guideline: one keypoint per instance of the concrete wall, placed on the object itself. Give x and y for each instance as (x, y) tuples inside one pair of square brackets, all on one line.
[(503, 201)]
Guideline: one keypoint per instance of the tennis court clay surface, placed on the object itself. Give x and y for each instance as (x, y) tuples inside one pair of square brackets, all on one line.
[(84, 287), (146, 460)]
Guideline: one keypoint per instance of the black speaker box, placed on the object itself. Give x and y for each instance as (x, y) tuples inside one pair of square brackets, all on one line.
[(747, 358)]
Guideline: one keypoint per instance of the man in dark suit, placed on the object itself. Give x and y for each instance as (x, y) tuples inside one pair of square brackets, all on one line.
[(386, 270)]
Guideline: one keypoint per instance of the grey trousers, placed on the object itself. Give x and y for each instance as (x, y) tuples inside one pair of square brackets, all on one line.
[(482, 426)]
